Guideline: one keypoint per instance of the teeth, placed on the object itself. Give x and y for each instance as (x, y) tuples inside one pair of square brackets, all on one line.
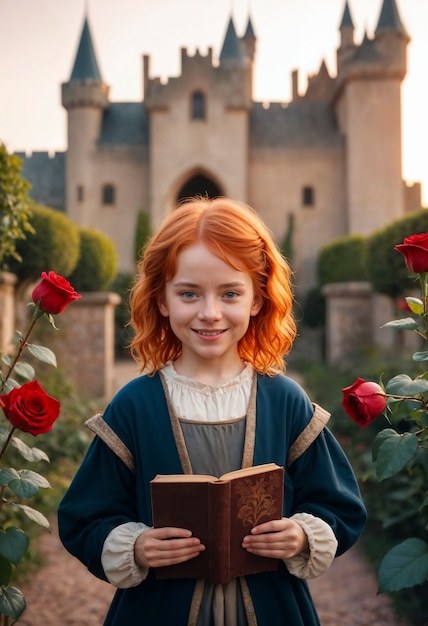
[(209, 334)]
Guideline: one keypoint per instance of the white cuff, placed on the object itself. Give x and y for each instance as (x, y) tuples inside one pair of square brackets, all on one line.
[(322, 548), (117, 557)]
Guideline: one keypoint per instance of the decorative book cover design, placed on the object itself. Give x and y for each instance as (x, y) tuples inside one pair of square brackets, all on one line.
[(220, 512)]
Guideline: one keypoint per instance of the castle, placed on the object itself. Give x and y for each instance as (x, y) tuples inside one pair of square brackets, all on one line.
[(324, 165)]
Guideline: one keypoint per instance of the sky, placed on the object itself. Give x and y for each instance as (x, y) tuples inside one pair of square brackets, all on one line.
[(39, 41)]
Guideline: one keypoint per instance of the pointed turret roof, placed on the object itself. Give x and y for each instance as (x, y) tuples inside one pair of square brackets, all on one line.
[(389, 18), (347, 18), (249, 33), (85, 64), (231, 50)]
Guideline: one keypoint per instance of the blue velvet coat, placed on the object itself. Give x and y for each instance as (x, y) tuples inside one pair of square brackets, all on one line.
[(105, 493)]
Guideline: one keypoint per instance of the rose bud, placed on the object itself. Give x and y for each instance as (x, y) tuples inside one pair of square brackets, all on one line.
[(415, 251), (30, 409), (53, 293), (363, 401)]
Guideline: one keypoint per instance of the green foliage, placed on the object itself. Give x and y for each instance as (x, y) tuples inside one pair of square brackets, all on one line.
[(387, 271), (343, 260), (286, 246), (53, 245), (15, 207), (142, 233), (123, 333), (97, 264), (314, 309), (393, 504)]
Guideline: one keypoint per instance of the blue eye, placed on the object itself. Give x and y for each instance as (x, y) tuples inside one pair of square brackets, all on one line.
[(230, 295), (188, 295)]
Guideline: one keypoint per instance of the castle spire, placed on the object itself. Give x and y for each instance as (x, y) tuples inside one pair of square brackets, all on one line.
[(347, 18), (231, 50), (85, 64), (389, 19)]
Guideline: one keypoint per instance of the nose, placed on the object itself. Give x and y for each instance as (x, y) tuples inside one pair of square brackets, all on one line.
[(210, 309)]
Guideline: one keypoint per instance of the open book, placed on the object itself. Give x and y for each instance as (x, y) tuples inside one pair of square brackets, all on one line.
[(220, 512)]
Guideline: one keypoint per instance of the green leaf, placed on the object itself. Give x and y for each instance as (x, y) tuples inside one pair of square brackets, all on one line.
[(5, 571), (12, 602), (379, 439), (420, 356), (42, 354), (415, 305), (7, 474), (4, 434), (425, 501), (6, 360), (394, 453), (27, 484), (32, 514), (9, 385), (29, 454), (407, 323), (403, 385), (24, 370), (13, 544), (404, 566)]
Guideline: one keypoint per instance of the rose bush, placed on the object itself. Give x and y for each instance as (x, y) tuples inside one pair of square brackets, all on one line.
[(402, 446), (27, 407)]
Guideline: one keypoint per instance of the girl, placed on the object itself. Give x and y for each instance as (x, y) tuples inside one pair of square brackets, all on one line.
[(212, 313)]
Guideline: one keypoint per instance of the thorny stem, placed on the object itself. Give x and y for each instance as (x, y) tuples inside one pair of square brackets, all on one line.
[(22, 344), (423, 282), (6, 443)]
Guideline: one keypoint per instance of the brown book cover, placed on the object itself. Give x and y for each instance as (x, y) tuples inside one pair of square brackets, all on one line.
[(220, 512)]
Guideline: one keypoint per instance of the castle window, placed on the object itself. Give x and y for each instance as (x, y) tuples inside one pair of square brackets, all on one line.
[(308, 196), (198, 106), (80, 193), (108, 194)]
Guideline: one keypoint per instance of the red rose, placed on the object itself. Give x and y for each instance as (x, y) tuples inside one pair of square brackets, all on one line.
[(415, 251), (363, 401), (30, 409), (53, 293)]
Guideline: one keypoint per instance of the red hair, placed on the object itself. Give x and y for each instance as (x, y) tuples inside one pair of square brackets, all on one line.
[(235, 233)]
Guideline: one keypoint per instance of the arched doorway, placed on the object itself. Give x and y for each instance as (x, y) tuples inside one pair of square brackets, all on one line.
[(199, 185)]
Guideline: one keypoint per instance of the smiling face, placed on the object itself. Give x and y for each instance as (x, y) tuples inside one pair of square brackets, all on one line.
[(209, 305)]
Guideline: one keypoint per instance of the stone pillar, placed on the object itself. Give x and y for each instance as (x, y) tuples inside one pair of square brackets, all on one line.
[(84, 343), (349, 320), (7, 310)]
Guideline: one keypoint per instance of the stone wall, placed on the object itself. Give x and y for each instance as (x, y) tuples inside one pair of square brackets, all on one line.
[(7, 310), (83, 342)]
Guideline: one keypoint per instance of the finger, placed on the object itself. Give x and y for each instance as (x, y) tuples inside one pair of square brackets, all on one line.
[(169, 532)]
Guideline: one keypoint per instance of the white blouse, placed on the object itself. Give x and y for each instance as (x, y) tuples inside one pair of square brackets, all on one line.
[(195, 401)]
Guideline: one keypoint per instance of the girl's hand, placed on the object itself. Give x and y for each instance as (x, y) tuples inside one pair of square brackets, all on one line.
[(157, 547), (278, 539)]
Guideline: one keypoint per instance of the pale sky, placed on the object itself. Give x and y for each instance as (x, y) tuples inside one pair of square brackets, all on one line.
[(39, 41)]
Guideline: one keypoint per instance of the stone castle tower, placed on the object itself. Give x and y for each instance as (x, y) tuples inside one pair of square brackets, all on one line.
[(328, 162)]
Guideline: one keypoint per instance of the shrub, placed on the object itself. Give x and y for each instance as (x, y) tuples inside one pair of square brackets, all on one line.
[(343, 260), (53, 245), (314, 309), (123, 333), (387, 272), (97, 264), (142, 233), (15, 206)]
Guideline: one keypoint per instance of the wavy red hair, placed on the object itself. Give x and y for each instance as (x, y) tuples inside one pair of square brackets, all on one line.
[(235, 233)]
